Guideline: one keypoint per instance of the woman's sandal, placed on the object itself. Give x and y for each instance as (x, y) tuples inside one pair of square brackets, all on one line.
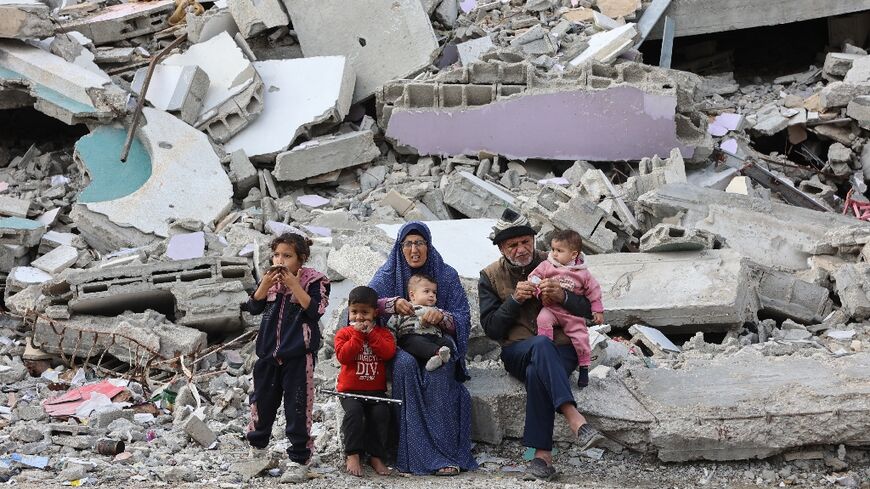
[(447, 471)]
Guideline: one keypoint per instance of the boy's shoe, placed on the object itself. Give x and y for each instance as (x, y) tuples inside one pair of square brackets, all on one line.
[(537, 469), (588, 437), (434, 363), (444, 354), (582, 377)]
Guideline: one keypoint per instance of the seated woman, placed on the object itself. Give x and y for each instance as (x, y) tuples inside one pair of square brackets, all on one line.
[(435, 417)]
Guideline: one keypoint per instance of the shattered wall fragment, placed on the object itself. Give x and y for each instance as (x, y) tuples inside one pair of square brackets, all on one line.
[(23, 19), (123, 21), (623, 113)]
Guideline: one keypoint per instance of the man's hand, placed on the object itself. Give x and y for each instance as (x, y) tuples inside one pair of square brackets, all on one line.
[(551, 292), (433, 316), (404, 308), (524, 291)]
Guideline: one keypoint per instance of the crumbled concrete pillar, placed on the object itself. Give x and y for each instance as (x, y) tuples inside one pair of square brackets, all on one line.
[(25, 19), (324, 155), (254, 17)]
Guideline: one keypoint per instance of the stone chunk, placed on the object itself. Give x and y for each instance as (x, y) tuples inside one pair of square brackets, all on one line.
[(477, 198), (770, 120), (471, 51), (859, 73), (839, 94), (838, 64), (667, 237), (850, 284), (254, 17), (326, 154), (57, 260), (784, 296), (199, 431), (382, 40), (606, 46), (859, 109), (10, 206), (242, 172), (24, 19), (21, 232)]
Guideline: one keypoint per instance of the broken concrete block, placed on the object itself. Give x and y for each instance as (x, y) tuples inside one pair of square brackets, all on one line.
[(560, 209), (839, 94), (20, 278), (838, 64), (214, 21), (769, 233), (301, 93), (383, 41), (242, 172), (783, 296), (632, 120), (12, 256), (653, 339), (22, 232), (859, 109), (859, 73), (401, 204), (57, 260), (176, 89), (123, 21), (253, 17), (25, 19), (679, 291), (770, 120), (199, 431), (130, 204), (850, 284), (618, 8), (667, 237), (235, 93), (477, 198), (202, 293), (62, 90), (606, 46), (326, 154), (471, 51)]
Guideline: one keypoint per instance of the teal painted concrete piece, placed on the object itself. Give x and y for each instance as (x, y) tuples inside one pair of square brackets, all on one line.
[(49, 95), (110, 177), (19, 223)]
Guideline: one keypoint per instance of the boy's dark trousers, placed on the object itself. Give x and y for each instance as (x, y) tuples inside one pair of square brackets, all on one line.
[(423, 346), (366, 425), (293, 381)]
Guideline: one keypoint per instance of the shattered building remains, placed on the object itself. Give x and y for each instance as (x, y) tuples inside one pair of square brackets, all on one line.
[(149, 152)]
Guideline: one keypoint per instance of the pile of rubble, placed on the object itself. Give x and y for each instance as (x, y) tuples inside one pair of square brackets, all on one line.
[(213, 127)]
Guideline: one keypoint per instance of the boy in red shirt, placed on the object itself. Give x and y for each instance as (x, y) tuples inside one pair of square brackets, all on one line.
[(363, 349)]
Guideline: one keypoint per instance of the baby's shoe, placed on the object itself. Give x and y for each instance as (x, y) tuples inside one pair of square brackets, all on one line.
[(434, 363), (582, 377), (444, 354)]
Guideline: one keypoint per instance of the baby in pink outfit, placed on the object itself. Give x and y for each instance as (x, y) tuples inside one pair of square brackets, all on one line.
[(565, 264)]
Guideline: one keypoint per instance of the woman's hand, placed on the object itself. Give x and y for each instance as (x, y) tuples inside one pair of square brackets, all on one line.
[(268, 281), (433, 316), (403, 307), (551, 292)]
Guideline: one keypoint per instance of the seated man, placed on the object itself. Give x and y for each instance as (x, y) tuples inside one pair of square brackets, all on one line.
[(508, 312)]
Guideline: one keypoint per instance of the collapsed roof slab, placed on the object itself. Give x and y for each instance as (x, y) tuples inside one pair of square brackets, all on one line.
[(123, 21), (300, 93), (62, 90), (326, 154), (235, 93), (382, 40), (678, 291), (693, 17), (761, 406), (598, 113), (173, 174), (25, 19), (776, 235)]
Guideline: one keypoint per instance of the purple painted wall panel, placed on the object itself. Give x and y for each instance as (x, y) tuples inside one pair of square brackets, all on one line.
[(621, 123)]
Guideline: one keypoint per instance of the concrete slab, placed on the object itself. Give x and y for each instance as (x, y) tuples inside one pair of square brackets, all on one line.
[(18, 231), (325, 154), (62, 90), (123, 21), (471, 51), (199, 189), (131, 337), (186, 246), (678, 291), (604, 47), (382, 40), (24, 19), (57, 260), (10, 206), (299, 94), (477, 198), (176, 89), (235, 93), (777, 235)]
